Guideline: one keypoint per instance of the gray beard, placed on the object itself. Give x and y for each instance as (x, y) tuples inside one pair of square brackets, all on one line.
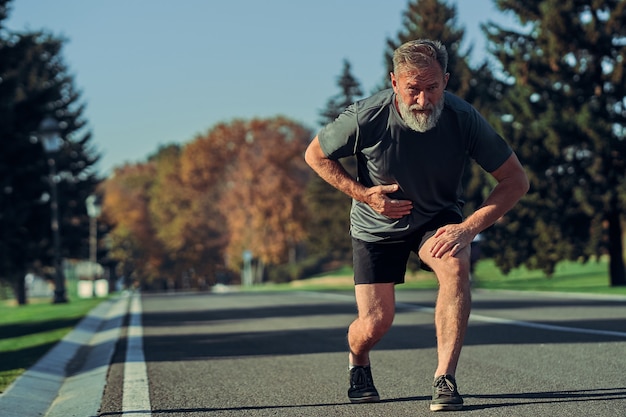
[(421, 122)]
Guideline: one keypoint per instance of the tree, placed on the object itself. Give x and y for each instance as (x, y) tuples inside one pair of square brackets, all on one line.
[(34, 83), (262, 200), (329, 222), (189, 226), (185, 217), (435, 19), (125, 208), (350, 91), (565, 114)]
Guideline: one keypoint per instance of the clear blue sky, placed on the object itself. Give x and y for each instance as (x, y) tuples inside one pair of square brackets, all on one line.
[(154, 72)]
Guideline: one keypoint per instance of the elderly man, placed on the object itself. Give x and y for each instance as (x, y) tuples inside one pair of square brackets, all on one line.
[(411, 144)]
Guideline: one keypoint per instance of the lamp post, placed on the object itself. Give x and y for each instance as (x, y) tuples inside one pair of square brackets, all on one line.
[(49, 130), (93, 211), (247, 277)]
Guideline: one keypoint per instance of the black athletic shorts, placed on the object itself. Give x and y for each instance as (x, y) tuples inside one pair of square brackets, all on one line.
[(385, 261)]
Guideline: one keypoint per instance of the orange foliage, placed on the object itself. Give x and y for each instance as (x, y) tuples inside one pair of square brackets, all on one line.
[(263, 203), (239, 187), (125, 205)]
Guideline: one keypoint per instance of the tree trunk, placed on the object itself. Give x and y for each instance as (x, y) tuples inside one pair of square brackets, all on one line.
[(617, 272), (19, 288)]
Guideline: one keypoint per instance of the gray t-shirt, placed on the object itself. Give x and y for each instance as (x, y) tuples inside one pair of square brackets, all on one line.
[(428, 167)]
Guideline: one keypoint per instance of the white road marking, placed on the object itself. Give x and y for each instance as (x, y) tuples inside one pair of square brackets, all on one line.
[(488, 319), (136, 396), (520, 323), (542, 326)]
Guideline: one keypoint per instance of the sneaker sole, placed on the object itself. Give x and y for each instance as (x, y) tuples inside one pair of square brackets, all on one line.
[(365, 400), (446, 407)]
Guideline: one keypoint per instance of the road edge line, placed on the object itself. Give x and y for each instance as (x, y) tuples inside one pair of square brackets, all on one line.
[(135, 392)]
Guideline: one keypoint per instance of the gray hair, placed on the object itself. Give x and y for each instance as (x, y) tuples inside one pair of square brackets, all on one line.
[(420, 53)]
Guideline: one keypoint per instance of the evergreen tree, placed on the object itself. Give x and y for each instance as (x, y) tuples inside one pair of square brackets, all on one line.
[(435, 19), (350, 91), (329, 223), (34, 83), (566, 115)]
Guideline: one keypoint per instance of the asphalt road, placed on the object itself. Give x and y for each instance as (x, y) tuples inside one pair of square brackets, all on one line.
[(284, 354)]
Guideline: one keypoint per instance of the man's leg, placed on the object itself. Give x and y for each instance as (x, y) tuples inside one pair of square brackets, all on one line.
[(453, 305), (376, 309), (451, 318)]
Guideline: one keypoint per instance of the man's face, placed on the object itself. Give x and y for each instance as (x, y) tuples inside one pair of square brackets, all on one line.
[(420, 95)]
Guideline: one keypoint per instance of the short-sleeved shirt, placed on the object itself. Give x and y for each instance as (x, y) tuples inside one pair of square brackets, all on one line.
[(428, 166)]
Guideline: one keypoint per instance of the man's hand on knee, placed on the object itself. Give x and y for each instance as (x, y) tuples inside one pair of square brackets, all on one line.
[(450, 238)]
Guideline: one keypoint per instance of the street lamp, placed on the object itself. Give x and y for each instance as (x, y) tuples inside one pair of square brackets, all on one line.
[(49, 134), (93, 211)]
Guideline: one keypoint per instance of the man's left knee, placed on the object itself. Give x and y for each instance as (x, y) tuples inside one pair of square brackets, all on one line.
[(450, 267)]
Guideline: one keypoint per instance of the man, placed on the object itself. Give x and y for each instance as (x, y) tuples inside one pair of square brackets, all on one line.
[(411, 142)]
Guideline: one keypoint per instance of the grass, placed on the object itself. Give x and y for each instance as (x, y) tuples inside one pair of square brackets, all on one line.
[(29, 331), (591, 277)]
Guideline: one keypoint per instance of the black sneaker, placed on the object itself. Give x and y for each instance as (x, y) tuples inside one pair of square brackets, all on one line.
[(362, 389), (445, 395)]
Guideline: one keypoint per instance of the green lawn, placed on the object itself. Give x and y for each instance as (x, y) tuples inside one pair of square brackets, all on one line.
[(28, 332), (591, 277)]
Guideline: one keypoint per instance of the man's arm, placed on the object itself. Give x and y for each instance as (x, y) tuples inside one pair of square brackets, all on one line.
[(512, 186), (334, 173)]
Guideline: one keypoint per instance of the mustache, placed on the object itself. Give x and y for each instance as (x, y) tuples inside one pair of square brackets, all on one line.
[(417, 107)]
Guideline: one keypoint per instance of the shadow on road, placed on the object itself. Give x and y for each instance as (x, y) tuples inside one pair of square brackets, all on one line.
[(494, 401), (268, 407), (254, 329), (548, 397)]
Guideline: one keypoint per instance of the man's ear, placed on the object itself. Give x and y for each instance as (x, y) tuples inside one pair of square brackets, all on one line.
[(394, 83)]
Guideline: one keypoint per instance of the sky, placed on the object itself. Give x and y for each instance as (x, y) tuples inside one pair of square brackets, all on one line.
[(155, 72)]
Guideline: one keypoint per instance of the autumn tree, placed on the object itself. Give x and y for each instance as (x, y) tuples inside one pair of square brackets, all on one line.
[(34, 84), (263, 195), (185, 216), (125, 207), (565, 114)]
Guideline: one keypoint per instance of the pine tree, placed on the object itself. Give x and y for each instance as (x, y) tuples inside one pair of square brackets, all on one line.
[(350, 90), (436, 20), (565, 113), (34, 83), (329, 223)]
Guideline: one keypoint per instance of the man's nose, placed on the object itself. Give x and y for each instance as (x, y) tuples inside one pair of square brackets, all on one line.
[(420, 98)]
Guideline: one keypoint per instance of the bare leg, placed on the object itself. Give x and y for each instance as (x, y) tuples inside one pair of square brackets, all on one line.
[(376, 309), (453, 305)]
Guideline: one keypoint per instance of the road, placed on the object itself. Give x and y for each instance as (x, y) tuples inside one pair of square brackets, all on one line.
[(284, 354)]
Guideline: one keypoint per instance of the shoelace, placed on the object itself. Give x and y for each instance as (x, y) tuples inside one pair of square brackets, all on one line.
[(443, 382), (361, 378)]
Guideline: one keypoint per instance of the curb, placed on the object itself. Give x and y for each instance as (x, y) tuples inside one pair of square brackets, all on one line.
[(73, 370)]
